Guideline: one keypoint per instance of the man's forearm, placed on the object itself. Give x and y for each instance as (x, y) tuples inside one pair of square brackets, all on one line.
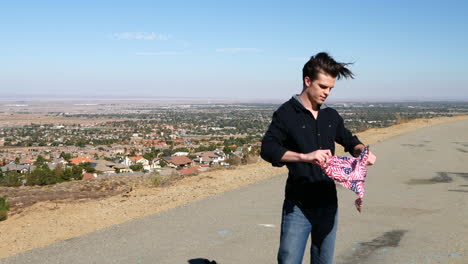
[(291, 156), (318, 156)]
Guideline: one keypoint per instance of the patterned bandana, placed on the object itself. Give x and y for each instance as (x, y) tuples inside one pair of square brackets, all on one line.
[(349, 172)]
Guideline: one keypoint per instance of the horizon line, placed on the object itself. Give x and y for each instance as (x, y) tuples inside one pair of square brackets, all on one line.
[(35, 98)]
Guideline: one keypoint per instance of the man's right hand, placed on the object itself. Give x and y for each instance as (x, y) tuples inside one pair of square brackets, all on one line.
[(319, 156)]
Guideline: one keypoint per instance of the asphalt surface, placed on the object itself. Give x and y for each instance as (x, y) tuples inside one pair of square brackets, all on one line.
[(415, 211)]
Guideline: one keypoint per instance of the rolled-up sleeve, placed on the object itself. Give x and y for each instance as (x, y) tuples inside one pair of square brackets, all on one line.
[(345, 138), (273, 142)]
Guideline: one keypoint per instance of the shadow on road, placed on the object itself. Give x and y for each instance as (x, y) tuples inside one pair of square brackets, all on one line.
[(366, 249), (201, 261)]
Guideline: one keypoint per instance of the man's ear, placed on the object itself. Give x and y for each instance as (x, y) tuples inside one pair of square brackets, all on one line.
[(307, 81)]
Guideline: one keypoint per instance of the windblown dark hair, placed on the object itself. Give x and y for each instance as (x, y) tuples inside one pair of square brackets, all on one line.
[(322, 62)]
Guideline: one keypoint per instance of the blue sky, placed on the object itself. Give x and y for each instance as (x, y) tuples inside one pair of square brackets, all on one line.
[(403, 50)]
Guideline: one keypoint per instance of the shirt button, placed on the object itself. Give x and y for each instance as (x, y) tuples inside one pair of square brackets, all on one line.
[(318, 135)]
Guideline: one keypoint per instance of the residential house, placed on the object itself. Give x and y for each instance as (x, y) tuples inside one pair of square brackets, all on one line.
[(209, 157), (128, 161), (134, 160), (178, 161), (116, 151), (20, 168), (55, 162), (59, 160), (180, 153), (109, 167)]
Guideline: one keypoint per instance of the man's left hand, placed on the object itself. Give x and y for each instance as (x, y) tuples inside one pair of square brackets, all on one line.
[(371, 159)]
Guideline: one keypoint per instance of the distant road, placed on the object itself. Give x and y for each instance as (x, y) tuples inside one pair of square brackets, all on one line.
[(415, 211)]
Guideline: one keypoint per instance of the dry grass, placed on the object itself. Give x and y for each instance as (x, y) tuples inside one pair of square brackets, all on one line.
[(22, 197)]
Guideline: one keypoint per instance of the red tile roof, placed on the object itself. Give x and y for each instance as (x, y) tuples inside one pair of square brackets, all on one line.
[(178, 160), (189, 171), (135, 158), (88, 175), (77, 161)]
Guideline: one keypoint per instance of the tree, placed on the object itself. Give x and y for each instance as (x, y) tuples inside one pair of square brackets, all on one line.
[(167, 152), (212, 147), (41, 176), (87, 167), (81, 142), (65, 156), (77, 172), (4, 207), (67, 174), (136, 167), (58, 172), (162, 163), (149, 155), (228, 150), (11, 179), (40, 161)]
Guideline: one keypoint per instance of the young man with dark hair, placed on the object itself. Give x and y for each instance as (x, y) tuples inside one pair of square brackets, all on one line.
[(303, 133)]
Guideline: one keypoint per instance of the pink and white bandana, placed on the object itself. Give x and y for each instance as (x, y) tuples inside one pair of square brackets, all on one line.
[(349, 172)]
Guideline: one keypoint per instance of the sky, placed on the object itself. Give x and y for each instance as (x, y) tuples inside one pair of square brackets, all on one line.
[(401, 50)]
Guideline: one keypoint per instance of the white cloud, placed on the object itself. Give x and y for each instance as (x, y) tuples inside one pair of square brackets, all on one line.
[(141, 36), (236, 50), (157, 53)]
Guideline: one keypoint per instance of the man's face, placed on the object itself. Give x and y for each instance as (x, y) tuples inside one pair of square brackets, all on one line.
[(319, 89)]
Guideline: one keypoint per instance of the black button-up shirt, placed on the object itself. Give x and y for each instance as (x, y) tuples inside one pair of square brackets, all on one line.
[(294, 128)]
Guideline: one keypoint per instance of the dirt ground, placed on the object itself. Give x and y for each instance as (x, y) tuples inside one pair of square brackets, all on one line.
[(71, 209)]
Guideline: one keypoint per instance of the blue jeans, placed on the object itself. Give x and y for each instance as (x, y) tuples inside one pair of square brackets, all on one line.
[(297, 224)]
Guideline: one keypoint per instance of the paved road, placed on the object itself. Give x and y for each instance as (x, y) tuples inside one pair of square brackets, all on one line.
[(415, 211)]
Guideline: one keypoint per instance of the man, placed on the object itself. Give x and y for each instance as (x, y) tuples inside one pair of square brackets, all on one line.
[(302, 133)]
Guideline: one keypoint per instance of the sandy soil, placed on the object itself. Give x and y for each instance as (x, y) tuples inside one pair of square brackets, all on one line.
[(48, 222)]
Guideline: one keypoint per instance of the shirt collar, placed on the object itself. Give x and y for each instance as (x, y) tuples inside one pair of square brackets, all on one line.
[(298, 99)]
